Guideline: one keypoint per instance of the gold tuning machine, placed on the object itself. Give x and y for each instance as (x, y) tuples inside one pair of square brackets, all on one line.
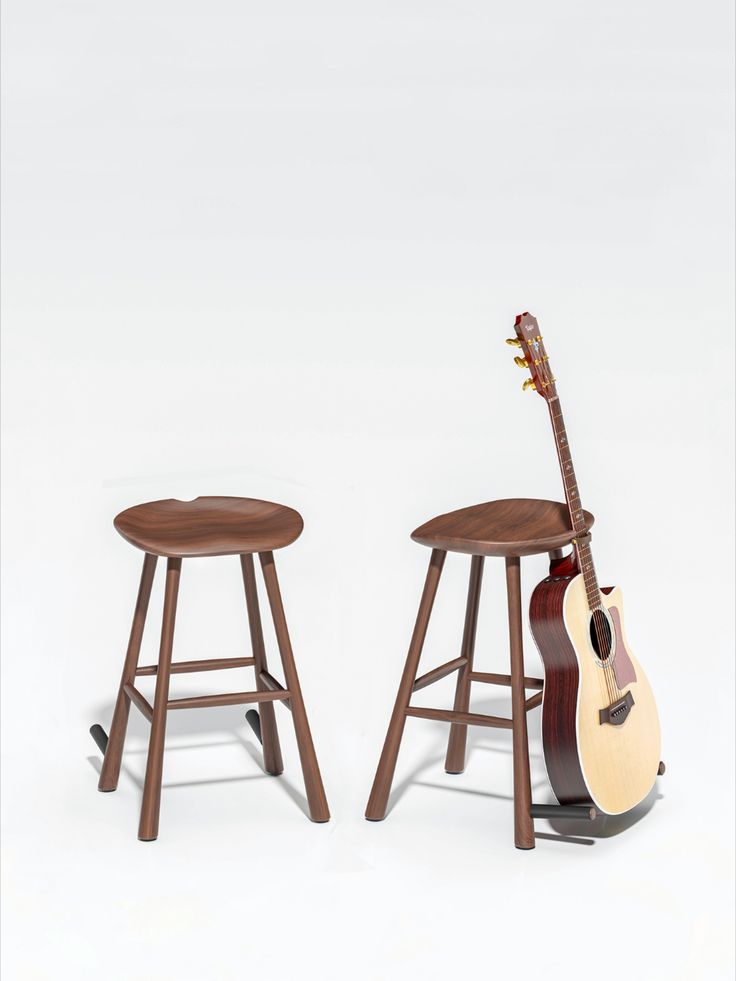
[(522, 362), (529, 383), (513, 341)]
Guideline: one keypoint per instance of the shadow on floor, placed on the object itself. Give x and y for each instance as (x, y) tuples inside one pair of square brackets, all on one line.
[(565, 830), (199, 724)]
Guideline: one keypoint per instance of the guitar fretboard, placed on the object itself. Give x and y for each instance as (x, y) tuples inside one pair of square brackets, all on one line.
[(572, 496)]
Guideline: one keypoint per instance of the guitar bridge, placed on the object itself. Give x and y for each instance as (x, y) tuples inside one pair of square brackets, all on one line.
[(617, 712)]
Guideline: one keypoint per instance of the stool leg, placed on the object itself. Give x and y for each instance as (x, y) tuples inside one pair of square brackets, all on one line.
[(523, 823), (318, 809), (112, 759), (378, 801), (269, 733), (148, 827), (455, 759)]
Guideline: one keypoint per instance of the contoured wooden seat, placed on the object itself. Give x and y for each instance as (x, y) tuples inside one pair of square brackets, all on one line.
[(209, 526), (515, 526)]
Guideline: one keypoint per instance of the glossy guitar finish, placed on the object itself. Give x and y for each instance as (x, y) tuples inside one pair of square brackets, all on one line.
[(600, 728), (612, 765)]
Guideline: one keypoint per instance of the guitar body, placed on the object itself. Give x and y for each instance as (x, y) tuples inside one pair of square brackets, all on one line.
[(600, 728)]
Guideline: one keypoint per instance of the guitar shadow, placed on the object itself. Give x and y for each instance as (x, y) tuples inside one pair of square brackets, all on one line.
[(607, 825)]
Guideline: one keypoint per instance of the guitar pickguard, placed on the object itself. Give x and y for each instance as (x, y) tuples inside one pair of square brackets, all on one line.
[(623, 669)]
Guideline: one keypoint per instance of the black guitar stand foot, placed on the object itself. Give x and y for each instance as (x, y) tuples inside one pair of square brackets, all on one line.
[(551, 811), (254, 721), (100, 737)]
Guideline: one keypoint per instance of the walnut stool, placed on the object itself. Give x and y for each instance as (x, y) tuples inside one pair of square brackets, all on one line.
[(509, 529), (208, 526)]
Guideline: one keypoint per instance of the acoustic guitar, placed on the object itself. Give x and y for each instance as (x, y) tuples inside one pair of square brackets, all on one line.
[(600, 729)]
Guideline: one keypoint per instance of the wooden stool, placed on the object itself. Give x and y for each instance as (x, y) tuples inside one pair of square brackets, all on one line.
[(204, 527), (510, 529)]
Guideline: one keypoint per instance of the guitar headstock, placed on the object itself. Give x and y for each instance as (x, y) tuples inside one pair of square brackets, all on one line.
[(534, 357)]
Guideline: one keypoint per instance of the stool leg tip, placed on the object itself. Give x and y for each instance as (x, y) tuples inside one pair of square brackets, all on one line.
[(254, 721), (100, 737)]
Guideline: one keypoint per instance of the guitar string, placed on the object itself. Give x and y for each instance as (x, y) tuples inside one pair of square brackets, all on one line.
[(584, 554), (584, 560), (546, 380)]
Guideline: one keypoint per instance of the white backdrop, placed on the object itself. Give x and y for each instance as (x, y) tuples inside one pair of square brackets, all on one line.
[(274, 251)]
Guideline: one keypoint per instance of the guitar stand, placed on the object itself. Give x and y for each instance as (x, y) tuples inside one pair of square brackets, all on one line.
[(254, 721), (100, 737), (552, 811)]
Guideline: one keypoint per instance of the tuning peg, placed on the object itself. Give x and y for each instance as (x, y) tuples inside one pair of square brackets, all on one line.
[(529, 383), (522, 362), (513, 341)]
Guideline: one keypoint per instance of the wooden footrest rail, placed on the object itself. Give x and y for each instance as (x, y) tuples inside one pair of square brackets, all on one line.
[(463, 718), (139, 701), (503, 679), (209, 701), (211, 664), (438, 673), (229, 698), (468, 718)]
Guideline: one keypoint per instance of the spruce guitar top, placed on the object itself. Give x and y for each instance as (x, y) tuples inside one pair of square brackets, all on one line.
[(600, 729)]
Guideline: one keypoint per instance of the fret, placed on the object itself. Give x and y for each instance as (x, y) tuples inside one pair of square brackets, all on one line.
[(574, 504)]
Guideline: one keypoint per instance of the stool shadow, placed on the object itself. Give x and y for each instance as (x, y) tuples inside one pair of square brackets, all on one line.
[(477, 741), (223, 719), (566, 830)]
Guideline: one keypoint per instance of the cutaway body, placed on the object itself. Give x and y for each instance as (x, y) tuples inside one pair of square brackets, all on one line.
[(600, 728)]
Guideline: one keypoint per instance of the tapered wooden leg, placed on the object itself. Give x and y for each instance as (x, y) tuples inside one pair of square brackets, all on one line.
[(110, 772), (318, 809), (378, 801), (148, 827), (269, 733), (523, 823), (455, 759)]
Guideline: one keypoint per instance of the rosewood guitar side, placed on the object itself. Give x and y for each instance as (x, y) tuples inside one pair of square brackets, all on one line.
[(559, 705)]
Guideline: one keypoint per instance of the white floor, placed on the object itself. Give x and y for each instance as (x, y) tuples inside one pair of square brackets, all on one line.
[(240, 883)]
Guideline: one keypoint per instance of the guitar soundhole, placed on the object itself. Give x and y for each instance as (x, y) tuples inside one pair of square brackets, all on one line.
[(601, 636)]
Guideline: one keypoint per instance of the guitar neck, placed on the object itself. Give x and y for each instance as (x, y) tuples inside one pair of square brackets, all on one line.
[(572, 496), (542, 381)]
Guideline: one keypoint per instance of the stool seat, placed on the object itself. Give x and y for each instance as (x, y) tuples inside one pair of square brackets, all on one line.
[(209, 526), (513, 527)]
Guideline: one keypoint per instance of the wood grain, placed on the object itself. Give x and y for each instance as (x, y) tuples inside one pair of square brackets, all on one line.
[(272, 760), (559, 706), (523, 823), (316, 798), (110, 773), (209, 526), (378, 800), (516, 526), (457, 741), (151, 805)]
